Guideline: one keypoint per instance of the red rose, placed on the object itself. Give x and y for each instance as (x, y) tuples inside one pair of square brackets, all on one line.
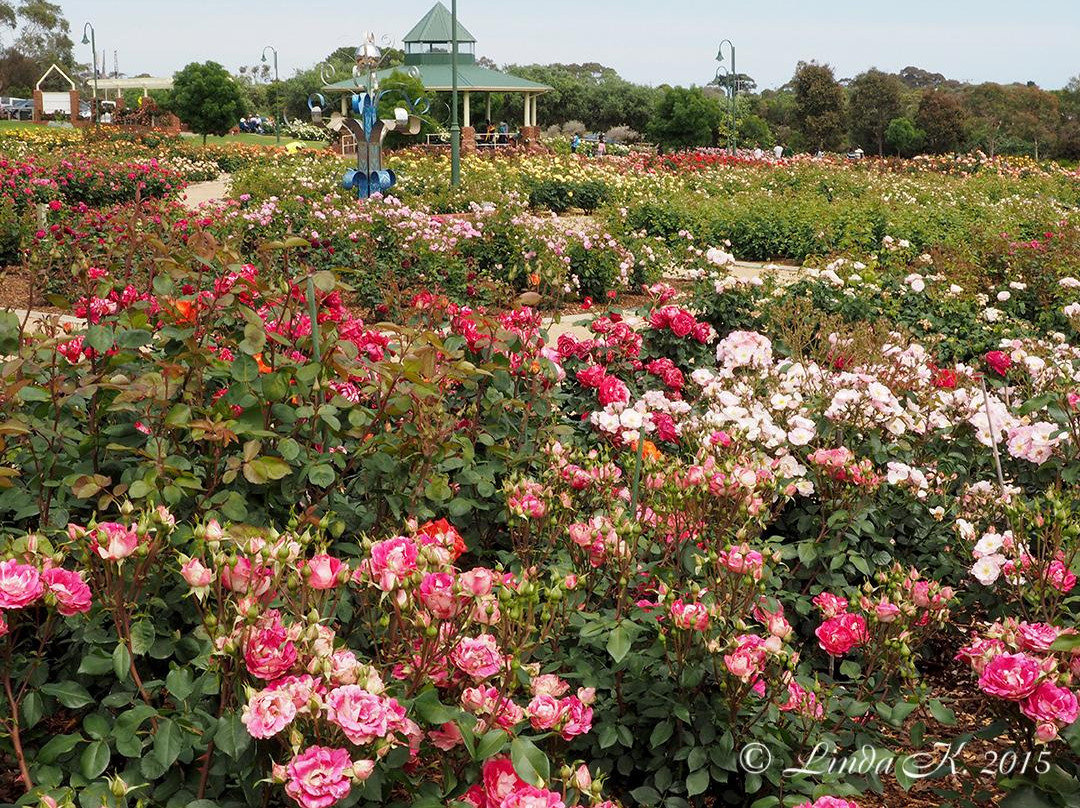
[(945, 379), (612, 390), (592, 376), (683, 323), (999, 362), (840, 634)]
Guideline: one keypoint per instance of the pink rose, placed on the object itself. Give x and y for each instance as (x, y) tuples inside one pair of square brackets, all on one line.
[(119, 541), (20, 584), (830, 604), (300, 689), (1010, 676), (197, 574), (748, 658), (690, 616), (500, 779), (70, 590), (532, 797), (613, 391), (1050, 703), (268, 652), (479, 657), (268, 713), (319, 777), (543, 712), (363, 716), (437, 594), (324, 571), (392, 561), (840, 634), (886, 612), (1036, 636), (577, 718), (446, 737), (243, 578), (703, 332), (477, 582), (548, 684), (828, 802)]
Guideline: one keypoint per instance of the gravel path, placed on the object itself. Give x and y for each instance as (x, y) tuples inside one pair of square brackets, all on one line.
[(199, 192)]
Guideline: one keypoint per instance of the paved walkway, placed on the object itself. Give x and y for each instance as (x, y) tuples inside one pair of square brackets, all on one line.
[(199, 192)]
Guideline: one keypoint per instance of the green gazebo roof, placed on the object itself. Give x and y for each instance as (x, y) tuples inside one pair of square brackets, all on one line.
[(471, 77), (436, 27)]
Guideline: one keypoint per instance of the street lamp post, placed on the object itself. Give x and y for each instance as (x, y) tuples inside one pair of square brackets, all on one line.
[(92, 42), (455, 126), (731, 79), (277, 124)]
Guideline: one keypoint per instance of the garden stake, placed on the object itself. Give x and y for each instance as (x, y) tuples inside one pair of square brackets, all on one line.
[(993, 436), (637, 472)]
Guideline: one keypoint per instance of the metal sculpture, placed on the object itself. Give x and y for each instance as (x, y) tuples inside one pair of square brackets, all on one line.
[(369, 177)]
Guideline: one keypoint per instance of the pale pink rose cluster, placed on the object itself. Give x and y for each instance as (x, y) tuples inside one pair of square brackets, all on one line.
[(828, 802), (998, 554), (599, 539), (1015, 662), (321, 776), (22, 585)]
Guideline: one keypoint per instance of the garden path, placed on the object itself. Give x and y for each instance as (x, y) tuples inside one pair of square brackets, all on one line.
[(199, 192)]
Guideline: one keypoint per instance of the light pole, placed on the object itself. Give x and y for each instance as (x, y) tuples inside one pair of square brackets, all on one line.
[(92, 42), (731, 78), (455, 126), (277, 124)]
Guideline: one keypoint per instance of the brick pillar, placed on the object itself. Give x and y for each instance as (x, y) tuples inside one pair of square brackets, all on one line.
[(468, 140), (530, 135), (74, 94), (38, 106)]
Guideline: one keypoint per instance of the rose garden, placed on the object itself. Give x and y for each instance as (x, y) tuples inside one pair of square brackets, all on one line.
[(316, 501)]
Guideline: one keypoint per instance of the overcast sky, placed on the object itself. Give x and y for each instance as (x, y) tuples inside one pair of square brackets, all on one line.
[(647, 41)]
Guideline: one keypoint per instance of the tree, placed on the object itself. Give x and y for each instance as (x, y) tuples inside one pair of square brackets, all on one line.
[(988, 104), (819, 105), (754, 129), (205, 97), (942, 119), (1035, 116), (902, 135), (685, 118), (875, 101), (40, 37), (916, 78)]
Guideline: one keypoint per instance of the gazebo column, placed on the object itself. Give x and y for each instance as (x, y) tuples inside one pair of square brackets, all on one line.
[(528, 101), (535, 117), (488, 106), (468, 117)]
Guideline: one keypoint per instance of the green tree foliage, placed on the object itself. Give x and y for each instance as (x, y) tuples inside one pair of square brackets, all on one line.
[(205, 97), (39, 36), (904, 137), (819, 106), (1035, 117), (988, 105), (942, 118), (754, 130), (684, 118), (874, 102)]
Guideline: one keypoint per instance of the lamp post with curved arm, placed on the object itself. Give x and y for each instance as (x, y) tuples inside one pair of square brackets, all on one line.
[(92, 42), (730, 79), (277, 123)]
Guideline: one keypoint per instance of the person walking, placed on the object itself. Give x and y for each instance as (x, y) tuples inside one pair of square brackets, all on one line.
[(601, 146), (575, 143), (778, 150)]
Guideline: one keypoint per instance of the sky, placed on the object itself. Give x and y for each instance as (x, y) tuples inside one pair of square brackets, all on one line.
[(650, 42)]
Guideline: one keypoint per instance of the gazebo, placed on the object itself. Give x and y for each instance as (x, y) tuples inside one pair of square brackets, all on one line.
[(428, 50)]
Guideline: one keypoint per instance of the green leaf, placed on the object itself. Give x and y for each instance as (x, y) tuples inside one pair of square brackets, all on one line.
[(429, 708), (179, 682), (491, 744), (57, 747), (697, 758), (232, 736), (1066, 642), (32, 709), (322, 475), (254, 338), (95, 663), (619, 643), (529, 762), (646, 795), (71, 694), (168, 742), (244, 369), (262, 469), (94, 759), (661, 734), (96, 726), (121, 659), (697, 782), (142, 637), (942, 713)]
